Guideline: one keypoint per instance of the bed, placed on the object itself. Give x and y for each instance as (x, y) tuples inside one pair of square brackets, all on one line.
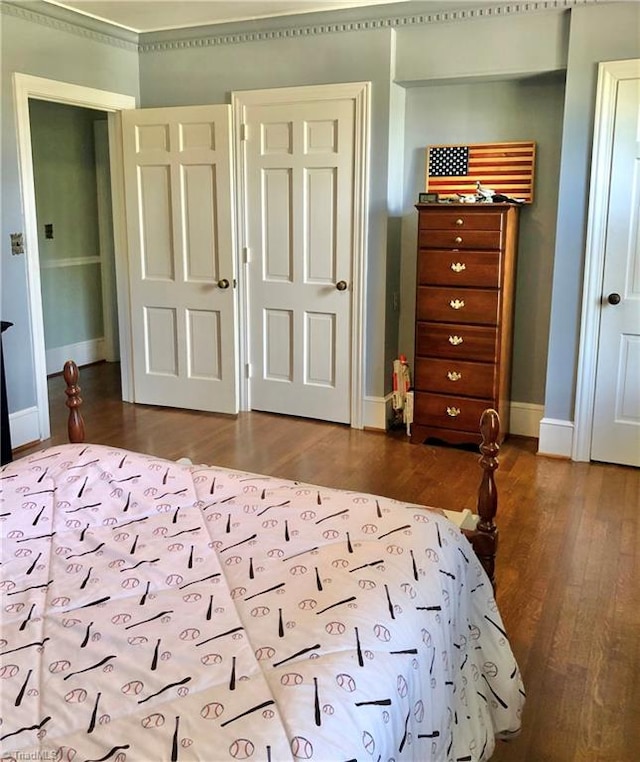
[(154, 610)]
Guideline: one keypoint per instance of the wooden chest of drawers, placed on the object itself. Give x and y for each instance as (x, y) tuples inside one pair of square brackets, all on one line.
[(464, 318)]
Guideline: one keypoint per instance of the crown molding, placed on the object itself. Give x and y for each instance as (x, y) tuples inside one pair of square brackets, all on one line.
[(62, 20), (147, 43)]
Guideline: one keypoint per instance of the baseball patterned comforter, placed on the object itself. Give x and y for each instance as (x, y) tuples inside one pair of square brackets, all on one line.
[(158, 611)]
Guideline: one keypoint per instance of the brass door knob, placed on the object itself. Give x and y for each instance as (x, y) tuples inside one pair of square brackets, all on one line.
[(223, 283), (341, 285)]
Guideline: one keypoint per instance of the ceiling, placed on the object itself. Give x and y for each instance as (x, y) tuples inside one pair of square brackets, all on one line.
[(155, 15)]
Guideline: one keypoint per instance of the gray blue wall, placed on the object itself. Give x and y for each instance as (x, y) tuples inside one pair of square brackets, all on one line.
[(515, 109), (195, 75), (607, 33), (438, 81)]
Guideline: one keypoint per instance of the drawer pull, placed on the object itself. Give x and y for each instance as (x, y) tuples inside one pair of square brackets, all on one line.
[(458, 239), (456, 304), (453, 412), (459, 221), (458, 267), (454, 375), (455, 340)]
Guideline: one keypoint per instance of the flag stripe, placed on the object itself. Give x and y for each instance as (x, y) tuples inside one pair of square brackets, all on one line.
[(506, 168), (485, 162), (472, 183), (500, 151)]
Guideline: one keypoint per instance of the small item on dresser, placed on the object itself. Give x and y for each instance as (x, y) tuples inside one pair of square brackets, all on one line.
[(500, 198)]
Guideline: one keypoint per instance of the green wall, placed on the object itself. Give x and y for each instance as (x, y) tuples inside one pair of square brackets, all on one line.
[(64, 171)]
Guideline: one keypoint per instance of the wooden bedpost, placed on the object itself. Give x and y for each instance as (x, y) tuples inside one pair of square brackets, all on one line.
[(485, 538), (74, 400)]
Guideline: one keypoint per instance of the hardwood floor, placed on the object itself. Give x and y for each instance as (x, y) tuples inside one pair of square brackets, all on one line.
[(568, 567)]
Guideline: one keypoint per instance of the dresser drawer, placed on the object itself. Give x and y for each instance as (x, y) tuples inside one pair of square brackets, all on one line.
[(468, 342), (460, 239), (448, 412), (468, 268), (457, 305), (465, 379), (461, 220)]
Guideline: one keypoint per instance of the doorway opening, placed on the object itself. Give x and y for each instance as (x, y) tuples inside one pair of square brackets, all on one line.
[(75, 233), (26, 89)]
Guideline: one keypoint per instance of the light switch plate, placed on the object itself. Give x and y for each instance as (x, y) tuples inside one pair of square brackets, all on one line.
[(17, 243)]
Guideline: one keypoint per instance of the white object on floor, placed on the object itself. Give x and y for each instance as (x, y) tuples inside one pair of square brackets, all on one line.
[(463, 519)]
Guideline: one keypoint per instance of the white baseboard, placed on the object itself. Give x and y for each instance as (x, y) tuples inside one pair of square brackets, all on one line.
[(556, 438), (24, 426), (375, 412), (82, 353), (525, 419)]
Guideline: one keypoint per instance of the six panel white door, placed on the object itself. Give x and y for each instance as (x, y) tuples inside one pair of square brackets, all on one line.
[(616, 419), (299, 199), (180, 230)]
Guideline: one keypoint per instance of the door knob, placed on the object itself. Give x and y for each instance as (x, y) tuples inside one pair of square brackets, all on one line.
[(614, 298), (224, 283), (341, 285)]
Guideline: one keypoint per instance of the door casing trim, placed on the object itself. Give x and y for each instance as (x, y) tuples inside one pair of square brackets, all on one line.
[(360, 93), (609, 74), (26, 86)]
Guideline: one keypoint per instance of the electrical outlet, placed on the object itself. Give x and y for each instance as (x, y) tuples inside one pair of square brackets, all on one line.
[(48, 230), (17, 243)]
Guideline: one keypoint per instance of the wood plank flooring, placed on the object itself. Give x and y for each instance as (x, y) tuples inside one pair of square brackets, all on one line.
[(568, 567)]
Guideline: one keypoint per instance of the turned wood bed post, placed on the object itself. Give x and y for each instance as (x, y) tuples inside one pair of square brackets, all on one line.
[(74, 400), (485, 537)]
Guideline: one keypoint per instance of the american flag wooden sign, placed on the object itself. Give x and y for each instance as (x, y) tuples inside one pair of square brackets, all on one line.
[(506, 168)]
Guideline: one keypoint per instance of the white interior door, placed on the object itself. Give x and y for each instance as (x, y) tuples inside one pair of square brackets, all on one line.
[(178, 197), (616, 418), (299, 176)]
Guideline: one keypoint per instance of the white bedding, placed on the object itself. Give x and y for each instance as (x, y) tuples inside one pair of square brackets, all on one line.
[(160, 611)]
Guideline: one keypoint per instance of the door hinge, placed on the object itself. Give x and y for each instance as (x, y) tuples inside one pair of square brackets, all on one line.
[(244, 132), (246, 255), (247, 369)]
